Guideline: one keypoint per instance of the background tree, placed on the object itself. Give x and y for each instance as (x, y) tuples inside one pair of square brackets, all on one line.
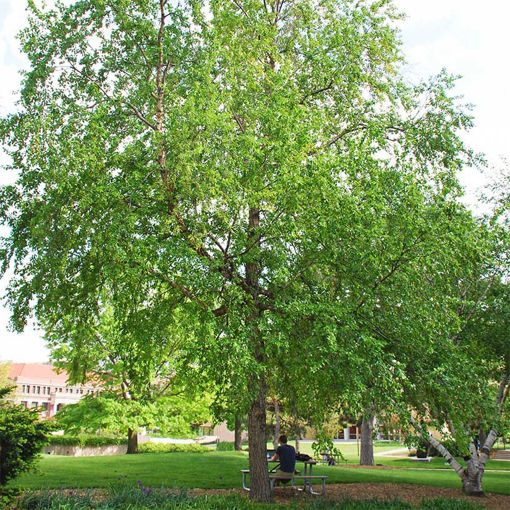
[(172, 416), (139, 358), (4, 377), (477, 370)]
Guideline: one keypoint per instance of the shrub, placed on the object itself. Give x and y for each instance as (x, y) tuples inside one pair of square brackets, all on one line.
[(225, 446), (22, 437), (84, 440), (324, 444), (171, 448), (8, 495)]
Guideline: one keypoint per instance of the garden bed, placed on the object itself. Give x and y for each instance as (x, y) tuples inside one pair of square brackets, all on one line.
[(409, 493), (336, 493)]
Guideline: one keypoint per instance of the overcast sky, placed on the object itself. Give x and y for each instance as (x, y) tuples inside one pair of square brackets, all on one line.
[(464, 36)]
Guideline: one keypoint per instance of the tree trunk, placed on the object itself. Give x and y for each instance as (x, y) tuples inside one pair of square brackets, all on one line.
[(367, 441), (473, 474), (277, 423), (238, 433), (482, 436), (475, 464), (260, 489), (297, 438), (132, 441), (472, 485)]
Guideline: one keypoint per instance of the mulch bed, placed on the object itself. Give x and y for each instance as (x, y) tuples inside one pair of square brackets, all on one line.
[(381, 491), (409, 493)]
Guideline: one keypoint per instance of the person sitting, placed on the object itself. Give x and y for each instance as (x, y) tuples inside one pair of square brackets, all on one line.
[(286, 455)]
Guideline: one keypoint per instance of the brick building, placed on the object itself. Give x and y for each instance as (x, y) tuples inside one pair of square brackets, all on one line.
[(39, 384)]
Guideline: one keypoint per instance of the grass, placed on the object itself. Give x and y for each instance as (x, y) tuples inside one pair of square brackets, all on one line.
[(215, 470), (436, 463), (349, 450)]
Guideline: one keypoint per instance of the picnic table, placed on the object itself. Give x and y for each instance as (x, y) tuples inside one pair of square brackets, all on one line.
[(307, 477)]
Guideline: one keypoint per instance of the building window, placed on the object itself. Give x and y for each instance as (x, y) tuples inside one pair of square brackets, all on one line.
[(24, 403), (48, 390), (60, 390), (38, 390)]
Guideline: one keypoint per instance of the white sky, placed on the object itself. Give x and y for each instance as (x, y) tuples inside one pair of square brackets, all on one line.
[(464, 36)]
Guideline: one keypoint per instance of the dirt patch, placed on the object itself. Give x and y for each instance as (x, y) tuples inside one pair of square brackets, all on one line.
[(409, 493)]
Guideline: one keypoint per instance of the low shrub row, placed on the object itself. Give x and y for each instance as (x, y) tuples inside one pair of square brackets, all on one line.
[(170, 448), (84, 440), (225, 446)]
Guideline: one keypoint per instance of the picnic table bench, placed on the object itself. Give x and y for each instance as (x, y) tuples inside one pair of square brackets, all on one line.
[(307, 481)]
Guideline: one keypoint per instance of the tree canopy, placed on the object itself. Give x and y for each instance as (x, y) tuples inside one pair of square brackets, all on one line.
[(261, 167)]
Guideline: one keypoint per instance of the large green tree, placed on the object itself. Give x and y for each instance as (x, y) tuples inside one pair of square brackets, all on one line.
[(214, 151)]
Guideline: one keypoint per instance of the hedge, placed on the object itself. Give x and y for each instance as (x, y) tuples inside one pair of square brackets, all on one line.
[(83, 441), (171, 448), (225, 446)]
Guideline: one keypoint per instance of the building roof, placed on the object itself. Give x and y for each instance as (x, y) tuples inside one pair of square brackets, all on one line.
[(37, 371)]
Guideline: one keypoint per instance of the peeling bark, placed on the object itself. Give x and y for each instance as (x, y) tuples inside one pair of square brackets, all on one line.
[(472, 475)]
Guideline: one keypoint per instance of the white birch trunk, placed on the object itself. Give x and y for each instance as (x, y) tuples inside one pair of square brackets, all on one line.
[(472, 475)]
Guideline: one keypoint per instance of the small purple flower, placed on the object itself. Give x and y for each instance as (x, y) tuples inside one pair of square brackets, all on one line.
[(139, 482), (147, 491), (119, 478), (71, 492)]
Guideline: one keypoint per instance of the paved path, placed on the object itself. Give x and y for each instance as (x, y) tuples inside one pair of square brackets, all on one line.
[(399, 453)]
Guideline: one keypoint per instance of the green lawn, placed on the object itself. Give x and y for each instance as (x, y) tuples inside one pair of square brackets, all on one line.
[(214, 470), (436, 463), (349, 450)]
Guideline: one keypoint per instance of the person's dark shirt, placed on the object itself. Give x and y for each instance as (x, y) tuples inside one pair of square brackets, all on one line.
[(287, 457)]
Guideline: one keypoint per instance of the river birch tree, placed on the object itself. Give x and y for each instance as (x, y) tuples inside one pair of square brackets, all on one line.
[(216, 151)]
